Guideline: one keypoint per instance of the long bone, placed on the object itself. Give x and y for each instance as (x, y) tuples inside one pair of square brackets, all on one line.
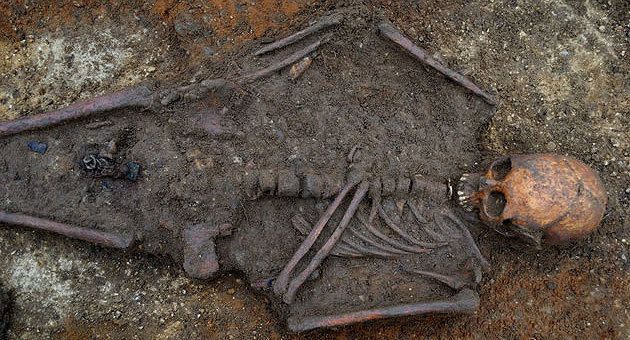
[(143, 96), (323, 23), (323, 252), (293, 58), (138, 96), (102, 238), (392, 33), (470, 242), (466, 301), (280, 285), (301, 225)]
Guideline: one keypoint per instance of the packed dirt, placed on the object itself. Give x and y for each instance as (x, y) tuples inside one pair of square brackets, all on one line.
[(558, 72)]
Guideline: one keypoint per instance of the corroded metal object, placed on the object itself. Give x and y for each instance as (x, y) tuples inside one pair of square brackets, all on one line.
[(328, 247)]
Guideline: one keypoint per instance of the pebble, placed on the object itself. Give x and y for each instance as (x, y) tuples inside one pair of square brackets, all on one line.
[(231, 291), (38, 147), (132, 171), (107, 185), (209, 51)]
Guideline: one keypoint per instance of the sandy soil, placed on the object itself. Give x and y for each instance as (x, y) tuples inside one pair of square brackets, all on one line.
[(559, 71)]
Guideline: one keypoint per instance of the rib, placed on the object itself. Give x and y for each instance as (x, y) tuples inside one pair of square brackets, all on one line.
[(293, 58), (393, 242), (323, 252), (445, 227), (377, 245), (365, 250), (343, 250), (466, 301), (281, 283), (396, 36), (421, 219), (138, 96), (449, 280), (101, 238), (404, 234), (470, 242), (325, 22)]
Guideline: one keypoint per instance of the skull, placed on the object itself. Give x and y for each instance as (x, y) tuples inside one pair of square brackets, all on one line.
[(538, 197)]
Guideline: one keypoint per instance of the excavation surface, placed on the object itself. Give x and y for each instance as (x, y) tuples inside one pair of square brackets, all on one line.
[(360, 90)]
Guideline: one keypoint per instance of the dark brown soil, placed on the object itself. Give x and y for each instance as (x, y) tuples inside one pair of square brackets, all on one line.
[(5, 312), (555, 95)]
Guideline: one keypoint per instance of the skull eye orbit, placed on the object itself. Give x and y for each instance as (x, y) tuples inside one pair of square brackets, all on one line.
[(500, 168), (495, 204)]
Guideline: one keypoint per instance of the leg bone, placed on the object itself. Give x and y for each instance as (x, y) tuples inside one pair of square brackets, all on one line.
[(101, 238)]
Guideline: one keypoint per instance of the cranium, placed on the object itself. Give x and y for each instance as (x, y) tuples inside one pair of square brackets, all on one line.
[(538, 197)]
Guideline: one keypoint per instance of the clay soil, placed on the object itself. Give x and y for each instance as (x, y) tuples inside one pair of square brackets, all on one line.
[(559, 71)]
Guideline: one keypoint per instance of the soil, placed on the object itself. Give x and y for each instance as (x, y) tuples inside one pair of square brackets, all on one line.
[(557, 70), (5, 312)]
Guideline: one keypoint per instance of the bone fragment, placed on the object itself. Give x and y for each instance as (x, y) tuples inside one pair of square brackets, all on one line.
[(394, 35), (101, 238), (293, 58), (300, 67), (325, 22), (138, 96)]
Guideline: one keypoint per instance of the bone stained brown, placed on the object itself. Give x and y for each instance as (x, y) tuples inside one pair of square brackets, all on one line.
[(280, 285), (323, 252), (93, 236), (394, 35), (140, 95), (334, 19), (291, 59)]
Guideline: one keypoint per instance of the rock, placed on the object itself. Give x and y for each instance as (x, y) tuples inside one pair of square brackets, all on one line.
[(38, 147), (132, 171), (209, 51)]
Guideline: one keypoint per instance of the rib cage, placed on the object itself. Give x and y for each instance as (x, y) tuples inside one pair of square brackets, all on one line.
[(385, 237)]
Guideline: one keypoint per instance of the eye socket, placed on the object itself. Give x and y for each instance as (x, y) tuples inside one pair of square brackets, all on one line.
[(500, 168), (495, 204)]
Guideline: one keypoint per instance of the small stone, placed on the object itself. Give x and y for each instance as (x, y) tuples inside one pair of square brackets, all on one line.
[(132, 171), (298, 68), (551, 285), (150, 69), (107, 185), (38, 147), (209, 51), (231, 291)]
